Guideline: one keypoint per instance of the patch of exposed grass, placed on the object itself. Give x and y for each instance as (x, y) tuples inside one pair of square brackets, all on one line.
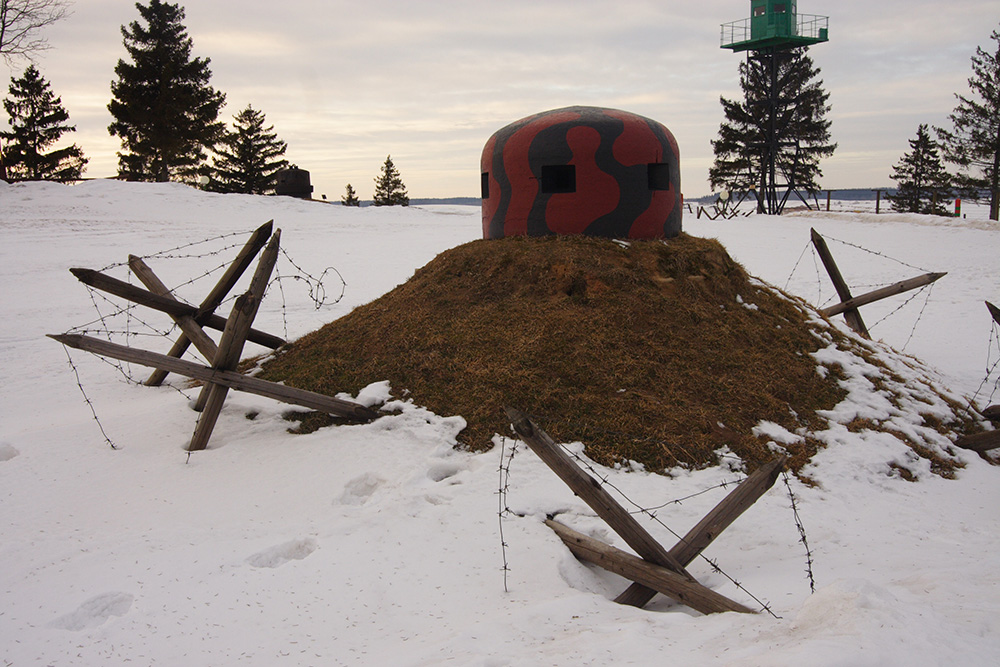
[(654, 352)]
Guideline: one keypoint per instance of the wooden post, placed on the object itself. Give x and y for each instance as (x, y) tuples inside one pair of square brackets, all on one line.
[(980, 442), (592, 493), (879, 294), (146, 298), (828, 194), (852, 315), (231, 345), (721, 517), (878, 201), (238, 381), (218, 293), (192, 331), (657, 578), (994, 311)]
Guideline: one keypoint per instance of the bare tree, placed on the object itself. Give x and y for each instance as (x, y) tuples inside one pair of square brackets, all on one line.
[(20, 21)]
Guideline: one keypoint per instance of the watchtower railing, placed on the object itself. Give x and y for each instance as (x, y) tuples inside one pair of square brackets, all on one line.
[(810, 26)]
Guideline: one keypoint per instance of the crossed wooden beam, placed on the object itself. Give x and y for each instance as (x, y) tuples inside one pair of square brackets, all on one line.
[(224, 357), (655, 569), (850, 304), (987, 440)]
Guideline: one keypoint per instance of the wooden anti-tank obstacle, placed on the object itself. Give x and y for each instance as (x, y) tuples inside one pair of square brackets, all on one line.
[(655, 569), (984, 442), (849, 304), (224, 357)]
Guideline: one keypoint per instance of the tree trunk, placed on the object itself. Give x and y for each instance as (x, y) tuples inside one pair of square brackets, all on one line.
[(995, 180)]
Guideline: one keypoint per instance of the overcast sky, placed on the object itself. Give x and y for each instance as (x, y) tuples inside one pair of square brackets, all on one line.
[(428, 81)]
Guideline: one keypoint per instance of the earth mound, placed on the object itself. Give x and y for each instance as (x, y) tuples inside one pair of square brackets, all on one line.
[(661, 353)]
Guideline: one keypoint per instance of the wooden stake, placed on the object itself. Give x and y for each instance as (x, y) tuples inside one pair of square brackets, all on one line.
[(852, 315), (994, 311), (657, 578), (218, 293), (227, 357), (980, 442), (879, 294), (188, 325), (239, 382), (146, 298), (592, 493), (721, 517)]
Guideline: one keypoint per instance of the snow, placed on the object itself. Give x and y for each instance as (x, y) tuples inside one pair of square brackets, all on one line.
[(380, 543)]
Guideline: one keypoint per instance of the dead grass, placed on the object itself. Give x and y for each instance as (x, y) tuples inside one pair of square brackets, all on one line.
[(642, 352)]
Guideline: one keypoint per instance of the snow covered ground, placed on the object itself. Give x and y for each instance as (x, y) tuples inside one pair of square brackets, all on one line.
[(379, 544)]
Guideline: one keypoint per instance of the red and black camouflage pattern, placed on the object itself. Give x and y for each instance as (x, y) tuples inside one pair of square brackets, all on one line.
[(613, 153)]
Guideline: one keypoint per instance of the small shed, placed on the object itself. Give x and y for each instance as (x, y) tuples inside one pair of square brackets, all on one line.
[(582, 170)]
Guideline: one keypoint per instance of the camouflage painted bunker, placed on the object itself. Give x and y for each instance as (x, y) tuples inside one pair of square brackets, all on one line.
[(582, 170)]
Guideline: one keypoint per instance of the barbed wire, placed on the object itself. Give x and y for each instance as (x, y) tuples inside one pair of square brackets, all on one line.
[(603, 480), (877, 253), (115, 321), (86, 399), (866, 286), (994, 340), (503, 508), (803, 539), (650, 512)]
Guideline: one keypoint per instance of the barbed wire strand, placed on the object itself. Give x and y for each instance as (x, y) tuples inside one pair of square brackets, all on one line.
[(86, 399), (803, 539)]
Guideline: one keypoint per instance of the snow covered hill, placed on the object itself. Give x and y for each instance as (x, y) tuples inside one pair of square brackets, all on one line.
[(380, 544)]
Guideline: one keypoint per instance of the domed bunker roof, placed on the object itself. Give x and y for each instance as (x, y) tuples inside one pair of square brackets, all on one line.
[(582, 170)]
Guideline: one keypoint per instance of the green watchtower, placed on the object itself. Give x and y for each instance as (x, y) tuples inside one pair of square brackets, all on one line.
[(774, 24), (773, 31)]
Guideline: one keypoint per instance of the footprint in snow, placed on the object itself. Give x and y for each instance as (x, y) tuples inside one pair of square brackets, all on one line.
[(281, 554), (94, 612), (443, 470), (7, 452), (360, 489)]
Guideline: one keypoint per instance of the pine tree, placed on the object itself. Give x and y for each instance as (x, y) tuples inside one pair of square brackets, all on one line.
[(801, 133), (164, 109), (350, 197), (389, 188), (974, 143), (924, 184), (248, 159), (38, 120)]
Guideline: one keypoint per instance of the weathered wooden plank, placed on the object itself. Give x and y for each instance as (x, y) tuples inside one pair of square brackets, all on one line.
[(251, 385), (980, 442), (213, 395), (658, 578), (593, 493), (994, 311), (236, 269), (721, 517), (232, 274), (853, 316), (146, 298), (882, 293), (188, 325)]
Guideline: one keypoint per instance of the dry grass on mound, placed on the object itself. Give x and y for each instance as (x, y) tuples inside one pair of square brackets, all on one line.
[(654, 352)]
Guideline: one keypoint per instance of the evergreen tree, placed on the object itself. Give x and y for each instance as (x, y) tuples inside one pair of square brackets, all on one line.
[(801, 133), (974, 143), (924, 184), (38, 120), (350, 197), (249, 158), (164, 109), (389, 188)]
